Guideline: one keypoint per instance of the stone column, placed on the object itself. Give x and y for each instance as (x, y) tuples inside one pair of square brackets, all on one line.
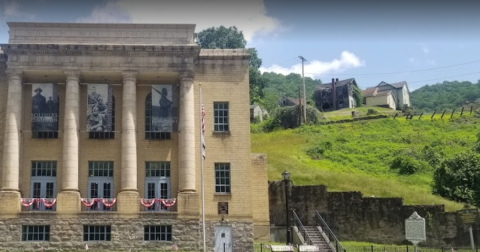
[(70, 133), (13, 124), (128, 201), (186, 134), (68, 200), (10, 193)]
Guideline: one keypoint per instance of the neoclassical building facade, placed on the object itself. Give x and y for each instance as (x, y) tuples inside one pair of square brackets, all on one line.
[(100, 140)]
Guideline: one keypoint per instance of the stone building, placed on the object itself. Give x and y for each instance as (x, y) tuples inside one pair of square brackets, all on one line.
[(100, 144)]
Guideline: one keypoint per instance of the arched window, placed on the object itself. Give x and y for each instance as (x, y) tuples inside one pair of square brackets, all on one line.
[(149, 131), (106, 134)]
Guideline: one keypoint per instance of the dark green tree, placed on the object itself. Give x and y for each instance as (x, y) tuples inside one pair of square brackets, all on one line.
[(231, 38), (457, 178)]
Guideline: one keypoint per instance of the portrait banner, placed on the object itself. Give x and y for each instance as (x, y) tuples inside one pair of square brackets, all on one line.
[(164, 108), (44, 107), (99, 108)]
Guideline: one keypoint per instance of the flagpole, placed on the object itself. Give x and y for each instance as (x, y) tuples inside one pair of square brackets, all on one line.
[(202, 158)]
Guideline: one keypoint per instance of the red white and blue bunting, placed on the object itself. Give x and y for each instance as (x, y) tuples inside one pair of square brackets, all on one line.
[(89, 202), (47, 202), (165, 202)]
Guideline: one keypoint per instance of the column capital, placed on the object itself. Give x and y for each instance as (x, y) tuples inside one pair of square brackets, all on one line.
[(187, 75), (72, 75), (14, 74), (129, 75)]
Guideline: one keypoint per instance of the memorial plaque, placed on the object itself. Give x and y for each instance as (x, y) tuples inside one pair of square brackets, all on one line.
[(415, 228), (469, 216)]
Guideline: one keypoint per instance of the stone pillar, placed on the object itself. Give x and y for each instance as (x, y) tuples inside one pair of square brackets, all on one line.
[(68, 200), (186, 134), (128, 200), (10, 193)]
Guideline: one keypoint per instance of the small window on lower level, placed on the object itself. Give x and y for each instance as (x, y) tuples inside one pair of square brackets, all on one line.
[(35, 233), (97, 233), (45, 134), (158, 233)]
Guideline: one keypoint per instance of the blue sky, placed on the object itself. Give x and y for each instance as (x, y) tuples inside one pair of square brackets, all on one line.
[(421, 42)]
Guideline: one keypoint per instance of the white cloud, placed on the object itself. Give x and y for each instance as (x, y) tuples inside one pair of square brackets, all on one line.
[(12, 10), (316, 68), (425, 48), (250, 17), (109, 13)]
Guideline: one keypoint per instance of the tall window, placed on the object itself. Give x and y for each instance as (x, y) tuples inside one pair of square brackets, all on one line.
[(105, 134), (149, 133), (35, 233), (220, 110), (43, 182), (97, 233), (157, 183), (100, 182), (222, 178), (158, 233)]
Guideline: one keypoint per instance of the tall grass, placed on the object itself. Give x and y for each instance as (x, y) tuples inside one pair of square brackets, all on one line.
[(356, 156)]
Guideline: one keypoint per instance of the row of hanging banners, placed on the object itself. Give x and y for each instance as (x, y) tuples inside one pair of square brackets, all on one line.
[(45, 105)]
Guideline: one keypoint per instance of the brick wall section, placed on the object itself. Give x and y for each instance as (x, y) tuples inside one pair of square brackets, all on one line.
[(259, 195), (3, 104), (353, 217)]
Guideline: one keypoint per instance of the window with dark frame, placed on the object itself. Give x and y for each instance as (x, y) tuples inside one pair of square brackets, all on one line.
[(36, 233), (44, 168), (100, 168), (158, 233), (97, 233), (109, 134), (149, 133), (220, 115), (222, 178), (157, 169)]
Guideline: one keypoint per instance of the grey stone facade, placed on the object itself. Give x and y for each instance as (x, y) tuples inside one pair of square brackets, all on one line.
[(66, 234)]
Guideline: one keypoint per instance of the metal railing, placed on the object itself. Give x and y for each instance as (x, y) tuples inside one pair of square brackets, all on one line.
[(330, 236), (38, 204), (158, 205), (301, 229), (99, 204)]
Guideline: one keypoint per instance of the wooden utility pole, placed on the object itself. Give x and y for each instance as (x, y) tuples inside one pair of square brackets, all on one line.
[(304, 97)]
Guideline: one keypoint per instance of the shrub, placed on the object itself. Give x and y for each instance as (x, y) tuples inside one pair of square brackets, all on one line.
[(405, 165)]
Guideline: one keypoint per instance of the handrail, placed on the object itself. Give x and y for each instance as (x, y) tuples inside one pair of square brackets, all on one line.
[(302, 229), (331, 236)]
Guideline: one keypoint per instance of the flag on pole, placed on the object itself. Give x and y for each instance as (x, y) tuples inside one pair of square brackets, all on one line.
[(202, 135)]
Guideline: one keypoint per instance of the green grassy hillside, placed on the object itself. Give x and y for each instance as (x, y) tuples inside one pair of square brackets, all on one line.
[(356, 156)]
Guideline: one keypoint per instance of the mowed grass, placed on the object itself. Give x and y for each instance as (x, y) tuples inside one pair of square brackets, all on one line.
[(357, 155)]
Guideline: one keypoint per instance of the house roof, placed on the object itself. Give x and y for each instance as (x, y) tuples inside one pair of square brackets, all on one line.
[(400, 84), (369, 92), (338, 84)]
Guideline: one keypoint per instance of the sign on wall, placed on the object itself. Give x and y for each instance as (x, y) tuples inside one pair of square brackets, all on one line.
[(99, 108), (164, 108), (44, 107), (415, 228)]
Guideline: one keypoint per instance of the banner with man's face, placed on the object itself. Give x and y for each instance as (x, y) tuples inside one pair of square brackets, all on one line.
[(99, 108), (44, 107), (164, 108)]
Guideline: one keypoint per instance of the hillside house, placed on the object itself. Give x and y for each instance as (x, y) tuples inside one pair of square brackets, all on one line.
[(335, 95), (256, 112), (399, 91), (374, 97)]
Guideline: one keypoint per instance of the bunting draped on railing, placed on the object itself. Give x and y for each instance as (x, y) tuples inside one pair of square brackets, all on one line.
[(47, 202), (88, 202), (165, 202), (107, 202)]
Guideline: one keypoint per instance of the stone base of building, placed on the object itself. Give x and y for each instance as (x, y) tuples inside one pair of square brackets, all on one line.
[(70, 234)]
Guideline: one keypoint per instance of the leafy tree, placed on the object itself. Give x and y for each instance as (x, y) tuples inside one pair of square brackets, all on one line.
[(458, 177), (221, 38), (231, 38)]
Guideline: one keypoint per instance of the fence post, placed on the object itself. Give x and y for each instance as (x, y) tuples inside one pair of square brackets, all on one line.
[(471, 109), (442, 248), (407, 248), (435, 111), (261, 247), (372, 248), (452, 113), (462, 111), (394, 117), (441, 119), (420, 117)]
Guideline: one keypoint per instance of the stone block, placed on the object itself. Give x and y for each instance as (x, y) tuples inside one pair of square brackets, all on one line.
[(10, 202), (68, 202), (128, 202), (188, 204)]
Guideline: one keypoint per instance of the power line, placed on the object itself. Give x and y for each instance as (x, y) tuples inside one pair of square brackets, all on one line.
[(444, 77), (414, 71)]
